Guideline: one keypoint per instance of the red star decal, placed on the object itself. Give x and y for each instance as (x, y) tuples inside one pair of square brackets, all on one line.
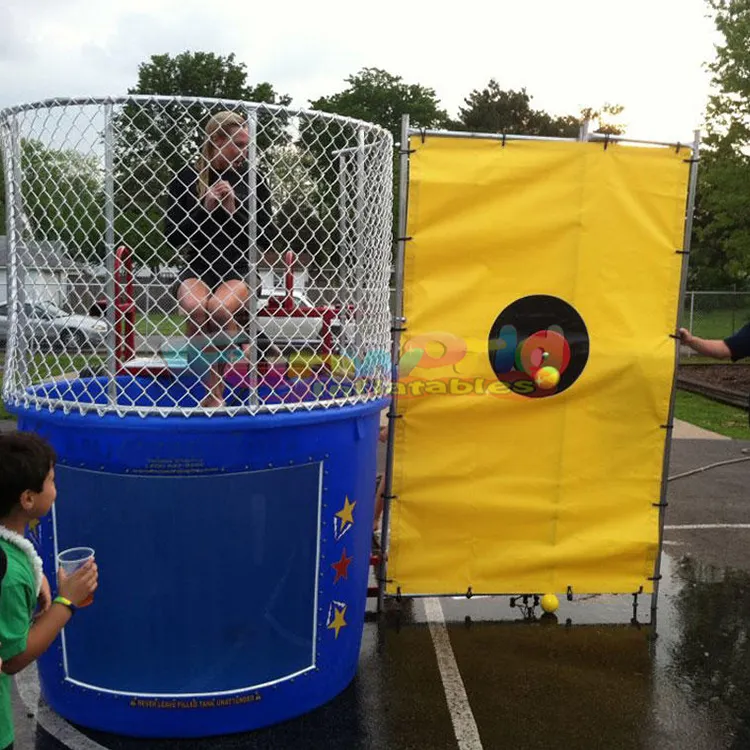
[(342, 566)]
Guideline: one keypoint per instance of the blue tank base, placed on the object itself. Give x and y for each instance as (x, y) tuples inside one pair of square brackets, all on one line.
[(200, 716), (234, 555)]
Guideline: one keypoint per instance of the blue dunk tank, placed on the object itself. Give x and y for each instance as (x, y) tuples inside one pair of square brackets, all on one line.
[(233, 542)]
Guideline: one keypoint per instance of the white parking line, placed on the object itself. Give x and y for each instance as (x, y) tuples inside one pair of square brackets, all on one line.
[(464, 725), (27, 683), (697, 526)]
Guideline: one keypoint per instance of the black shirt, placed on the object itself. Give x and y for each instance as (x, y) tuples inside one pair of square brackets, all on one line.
[(739, 343), (216, 238)]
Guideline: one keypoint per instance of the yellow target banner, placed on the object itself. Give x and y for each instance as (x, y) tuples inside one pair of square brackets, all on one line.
[(541, 292)]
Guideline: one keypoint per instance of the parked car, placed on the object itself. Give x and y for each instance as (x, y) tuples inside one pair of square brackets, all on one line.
[(56, 328), (299, 331)]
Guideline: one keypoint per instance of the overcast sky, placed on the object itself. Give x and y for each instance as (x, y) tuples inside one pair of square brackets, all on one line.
[(648, 55)]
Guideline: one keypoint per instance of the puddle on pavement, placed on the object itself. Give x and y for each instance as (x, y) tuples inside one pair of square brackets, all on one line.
[(595, 676)]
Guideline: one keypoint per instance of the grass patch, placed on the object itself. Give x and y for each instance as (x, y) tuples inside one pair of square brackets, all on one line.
[(710, 415), (49, 366), (45, 367), (716, 324), (161, 324)]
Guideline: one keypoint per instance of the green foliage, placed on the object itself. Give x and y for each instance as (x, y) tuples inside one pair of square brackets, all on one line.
[(154, 139), (605, 118), (721, 241), (376, 96), (63, 198), (494, 110)]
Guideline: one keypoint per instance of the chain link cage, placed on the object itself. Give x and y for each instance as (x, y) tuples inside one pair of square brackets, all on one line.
[(189, 256)]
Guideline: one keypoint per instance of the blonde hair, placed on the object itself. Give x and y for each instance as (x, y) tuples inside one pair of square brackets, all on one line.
[(226, 123)]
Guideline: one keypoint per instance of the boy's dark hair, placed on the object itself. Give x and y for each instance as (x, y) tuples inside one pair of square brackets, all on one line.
[(25, 461)]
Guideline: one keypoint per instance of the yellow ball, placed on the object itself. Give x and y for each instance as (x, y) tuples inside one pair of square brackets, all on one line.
[(547, 378), (550, 603)]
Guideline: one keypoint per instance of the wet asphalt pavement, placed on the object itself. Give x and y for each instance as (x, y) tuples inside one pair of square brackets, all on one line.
[(593, 676)]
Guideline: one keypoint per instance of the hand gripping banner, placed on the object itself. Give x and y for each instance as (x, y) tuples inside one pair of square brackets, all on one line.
[(542, 282)]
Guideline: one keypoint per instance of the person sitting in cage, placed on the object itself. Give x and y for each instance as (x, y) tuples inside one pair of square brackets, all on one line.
[(208, 218)]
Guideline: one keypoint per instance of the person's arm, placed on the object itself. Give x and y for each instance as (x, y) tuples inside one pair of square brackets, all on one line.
[(237, 224), (42, 634), (716, 348), (76, 588), (734, 347), (266, 226), (45, 596)]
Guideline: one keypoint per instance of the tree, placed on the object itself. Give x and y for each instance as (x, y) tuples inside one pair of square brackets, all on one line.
[(62, 198), (721, 248), (376, 96), (155, 139), (603, 116), (494, 110)]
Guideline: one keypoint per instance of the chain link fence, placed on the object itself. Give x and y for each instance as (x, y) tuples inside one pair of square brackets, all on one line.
[(714, 315), (155, 251)]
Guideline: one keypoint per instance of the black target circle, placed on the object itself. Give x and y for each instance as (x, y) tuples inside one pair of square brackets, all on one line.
[(535, 332)]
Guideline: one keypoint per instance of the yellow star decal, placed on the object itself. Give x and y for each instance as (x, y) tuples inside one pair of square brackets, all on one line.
[(338, 621), (34, 526), (346, 514)]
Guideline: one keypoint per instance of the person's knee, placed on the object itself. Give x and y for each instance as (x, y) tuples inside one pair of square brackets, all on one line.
[(219, 310), (195, 309), (225, 305), (192, 304)]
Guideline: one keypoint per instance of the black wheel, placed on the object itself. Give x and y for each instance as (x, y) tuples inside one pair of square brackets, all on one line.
[(75, 340)]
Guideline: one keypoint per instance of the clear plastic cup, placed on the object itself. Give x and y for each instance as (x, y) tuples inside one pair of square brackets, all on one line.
[(71, 560)]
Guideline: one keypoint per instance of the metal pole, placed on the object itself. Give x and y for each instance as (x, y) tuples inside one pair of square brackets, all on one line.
[(624, 139), (11, 150), (343, 251), (252, 256), (359, 259), (584, 132), (670, 418), (19, 226), (487, 136), (109, 246), (398, 324), (692, 311)]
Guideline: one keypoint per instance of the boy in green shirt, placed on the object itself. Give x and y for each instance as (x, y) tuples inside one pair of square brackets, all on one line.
[(27, 492)]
